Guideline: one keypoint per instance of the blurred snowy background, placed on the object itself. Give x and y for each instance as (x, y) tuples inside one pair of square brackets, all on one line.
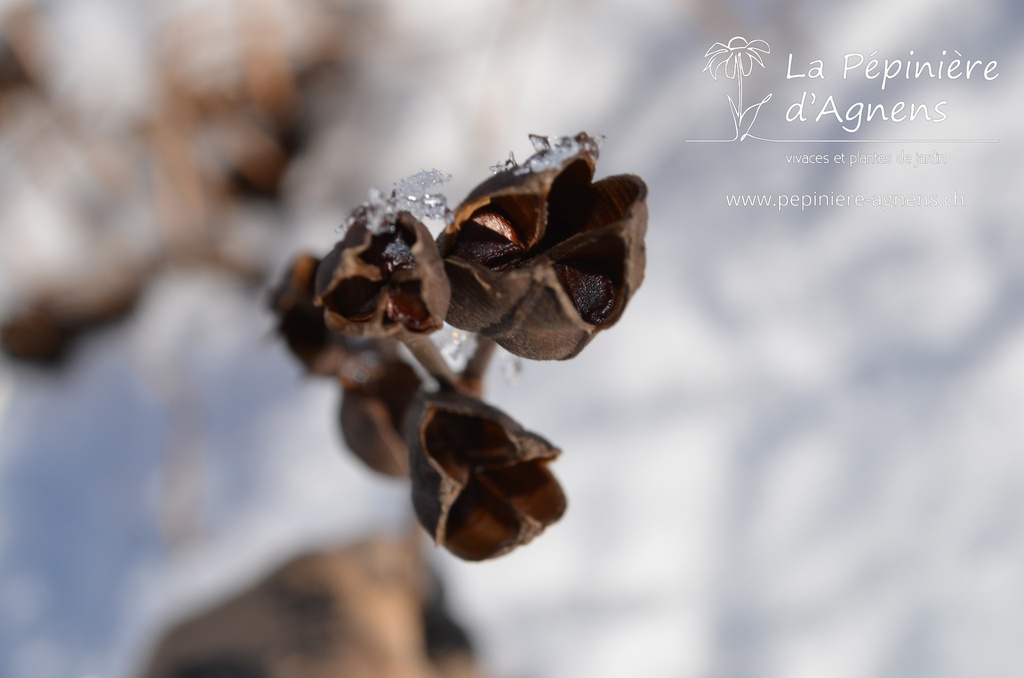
[(800, 454)]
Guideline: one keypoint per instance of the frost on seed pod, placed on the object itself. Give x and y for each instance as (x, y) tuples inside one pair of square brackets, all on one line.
[(377, 393), (301, 323), (383, 281), (480, 482), (542, 259)]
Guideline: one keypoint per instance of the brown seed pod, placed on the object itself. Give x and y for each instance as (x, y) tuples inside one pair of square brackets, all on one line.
[(540, 261), (374, 402), (383, 282), (301, 323), (480, 482)]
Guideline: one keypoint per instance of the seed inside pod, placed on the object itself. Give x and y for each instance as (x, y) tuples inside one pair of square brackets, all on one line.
[(356, 298), (405, 306), (592, 292), (488, 237)]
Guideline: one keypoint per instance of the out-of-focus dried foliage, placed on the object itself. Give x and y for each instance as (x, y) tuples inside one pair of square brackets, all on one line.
[(45, 330), (236, 90), (384, 282), (480, 482), (17, 49), (250, 75), (357, 612), (540, 261)]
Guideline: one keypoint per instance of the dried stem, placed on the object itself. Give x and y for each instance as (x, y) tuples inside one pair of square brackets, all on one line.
[(473, 373), (429, 356), (470, 381)]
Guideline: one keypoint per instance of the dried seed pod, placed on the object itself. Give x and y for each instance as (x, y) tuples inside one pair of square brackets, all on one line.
[(374, 403), (383, 282), (540, 261), (480, 482), (302, 324)]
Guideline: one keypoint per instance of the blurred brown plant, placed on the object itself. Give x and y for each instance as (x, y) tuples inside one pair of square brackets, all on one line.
[(44, 331), (232, 105), (369, 610)]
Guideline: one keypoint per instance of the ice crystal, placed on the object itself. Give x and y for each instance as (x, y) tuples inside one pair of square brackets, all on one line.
[(377, 212), (418, 194), (457, 346), (505, 165), (552, 151)]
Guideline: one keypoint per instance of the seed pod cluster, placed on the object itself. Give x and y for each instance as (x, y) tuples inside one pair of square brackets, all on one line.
[(537, 259)]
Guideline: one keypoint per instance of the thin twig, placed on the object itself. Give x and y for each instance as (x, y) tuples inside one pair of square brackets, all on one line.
[(429, 356), (473, 373)]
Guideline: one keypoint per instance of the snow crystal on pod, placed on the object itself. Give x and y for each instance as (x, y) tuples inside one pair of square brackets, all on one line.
[(550, 152), (418, 194)]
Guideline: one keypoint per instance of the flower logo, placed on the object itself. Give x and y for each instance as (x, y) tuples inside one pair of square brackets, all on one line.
[(740, 54), (738, 58)]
